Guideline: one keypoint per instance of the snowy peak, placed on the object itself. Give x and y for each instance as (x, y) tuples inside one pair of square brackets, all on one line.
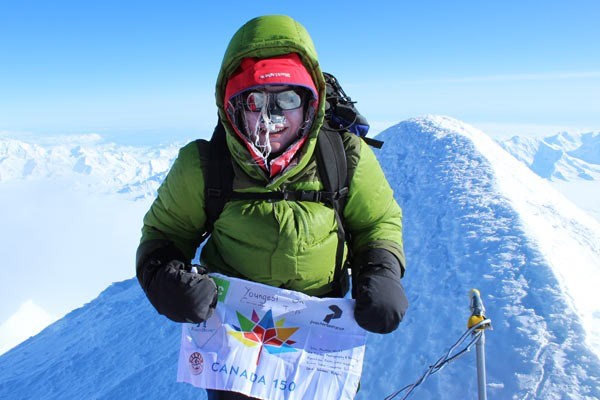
[(589, 151), (563, 156), (476, 217), (565, 140)]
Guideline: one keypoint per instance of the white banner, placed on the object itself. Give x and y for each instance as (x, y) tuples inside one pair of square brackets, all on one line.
[(273, 343)]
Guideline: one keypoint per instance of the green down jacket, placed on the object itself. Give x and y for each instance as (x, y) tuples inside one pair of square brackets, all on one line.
[(289, 244)]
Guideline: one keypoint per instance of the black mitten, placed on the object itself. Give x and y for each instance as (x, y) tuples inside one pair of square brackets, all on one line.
[(176, 291), (380, 299)]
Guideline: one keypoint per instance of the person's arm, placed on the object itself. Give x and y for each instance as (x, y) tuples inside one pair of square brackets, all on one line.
[(374, 220), (170, 235)]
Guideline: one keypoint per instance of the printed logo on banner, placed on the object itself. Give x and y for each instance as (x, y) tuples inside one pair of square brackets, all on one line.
[(337, 313), (263, 332), (196, 363), (223, 288)]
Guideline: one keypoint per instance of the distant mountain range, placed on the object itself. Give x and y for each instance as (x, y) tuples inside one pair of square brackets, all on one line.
[(89, 161), (564, 156), (138, 170)]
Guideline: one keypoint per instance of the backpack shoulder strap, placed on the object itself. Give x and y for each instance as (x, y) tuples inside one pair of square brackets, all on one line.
[(218, 175), (332, 164)]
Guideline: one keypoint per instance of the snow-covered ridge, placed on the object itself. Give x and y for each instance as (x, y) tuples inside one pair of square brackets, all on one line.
[(563, 156), (97, 165), (568, 239)]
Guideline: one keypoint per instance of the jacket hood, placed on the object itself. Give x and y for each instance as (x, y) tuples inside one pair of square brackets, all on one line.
[(266, 37)]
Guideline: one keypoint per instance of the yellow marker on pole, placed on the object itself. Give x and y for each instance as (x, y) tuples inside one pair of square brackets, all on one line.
[(477, 309), (477, 317)]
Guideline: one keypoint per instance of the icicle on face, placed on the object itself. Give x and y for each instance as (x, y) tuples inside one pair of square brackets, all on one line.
[(267, 122), (274, 118)]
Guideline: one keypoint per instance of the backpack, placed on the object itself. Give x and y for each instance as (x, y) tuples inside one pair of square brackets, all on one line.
[(340, 116)]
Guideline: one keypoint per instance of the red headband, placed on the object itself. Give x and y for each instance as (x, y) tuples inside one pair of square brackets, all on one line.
[(281, 70)]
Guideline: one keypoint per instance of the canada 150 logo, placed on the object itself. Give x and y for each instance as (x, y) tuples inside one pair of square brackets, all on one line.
[(263, 332)]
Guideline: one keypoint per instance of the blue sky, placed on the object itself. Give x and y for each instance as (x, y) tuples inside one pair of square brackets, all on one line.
[(132, 67)]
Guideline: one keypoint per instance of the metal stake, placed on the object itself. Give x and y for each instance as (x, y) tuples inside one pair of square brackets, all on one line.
[(477, 316), (481, 378)]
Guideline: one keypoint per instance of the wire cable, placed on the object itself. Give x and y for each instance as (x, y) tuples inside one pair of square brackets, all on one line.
[(475, 330)]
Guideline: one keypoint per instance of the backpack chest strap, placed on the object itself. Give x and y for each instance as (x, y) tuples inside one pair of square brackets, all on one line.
[(317, 196)]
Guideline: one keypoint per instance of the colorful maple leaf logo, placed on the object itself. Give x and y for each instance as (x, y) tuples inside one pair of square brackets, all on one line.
[(264, 333)]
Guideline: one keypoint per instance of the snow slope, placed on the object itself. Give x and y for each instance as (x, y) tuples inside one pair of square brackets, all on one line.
[(473, 217)]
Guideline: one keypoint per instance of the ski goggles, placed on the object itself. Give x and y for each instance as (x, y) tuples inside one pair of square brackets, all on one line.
[(256, 100)]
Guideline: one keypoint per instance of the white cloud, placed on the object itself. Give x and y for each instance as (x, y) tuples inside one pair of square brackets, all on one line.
[(27, 321)]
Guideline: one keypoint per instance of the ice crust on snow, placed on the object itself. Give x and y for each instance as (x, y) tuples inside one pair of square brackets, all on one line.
[(473, 217)]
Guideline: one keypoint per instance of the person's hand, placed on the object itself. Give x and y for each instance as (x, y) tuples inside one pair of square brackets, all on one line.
[(175, 289), (182, 295), (380, 299)]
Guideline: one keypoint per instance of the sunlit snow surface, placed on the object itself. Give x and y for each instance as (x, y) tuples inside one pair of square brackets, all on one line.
[(473, 217)]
